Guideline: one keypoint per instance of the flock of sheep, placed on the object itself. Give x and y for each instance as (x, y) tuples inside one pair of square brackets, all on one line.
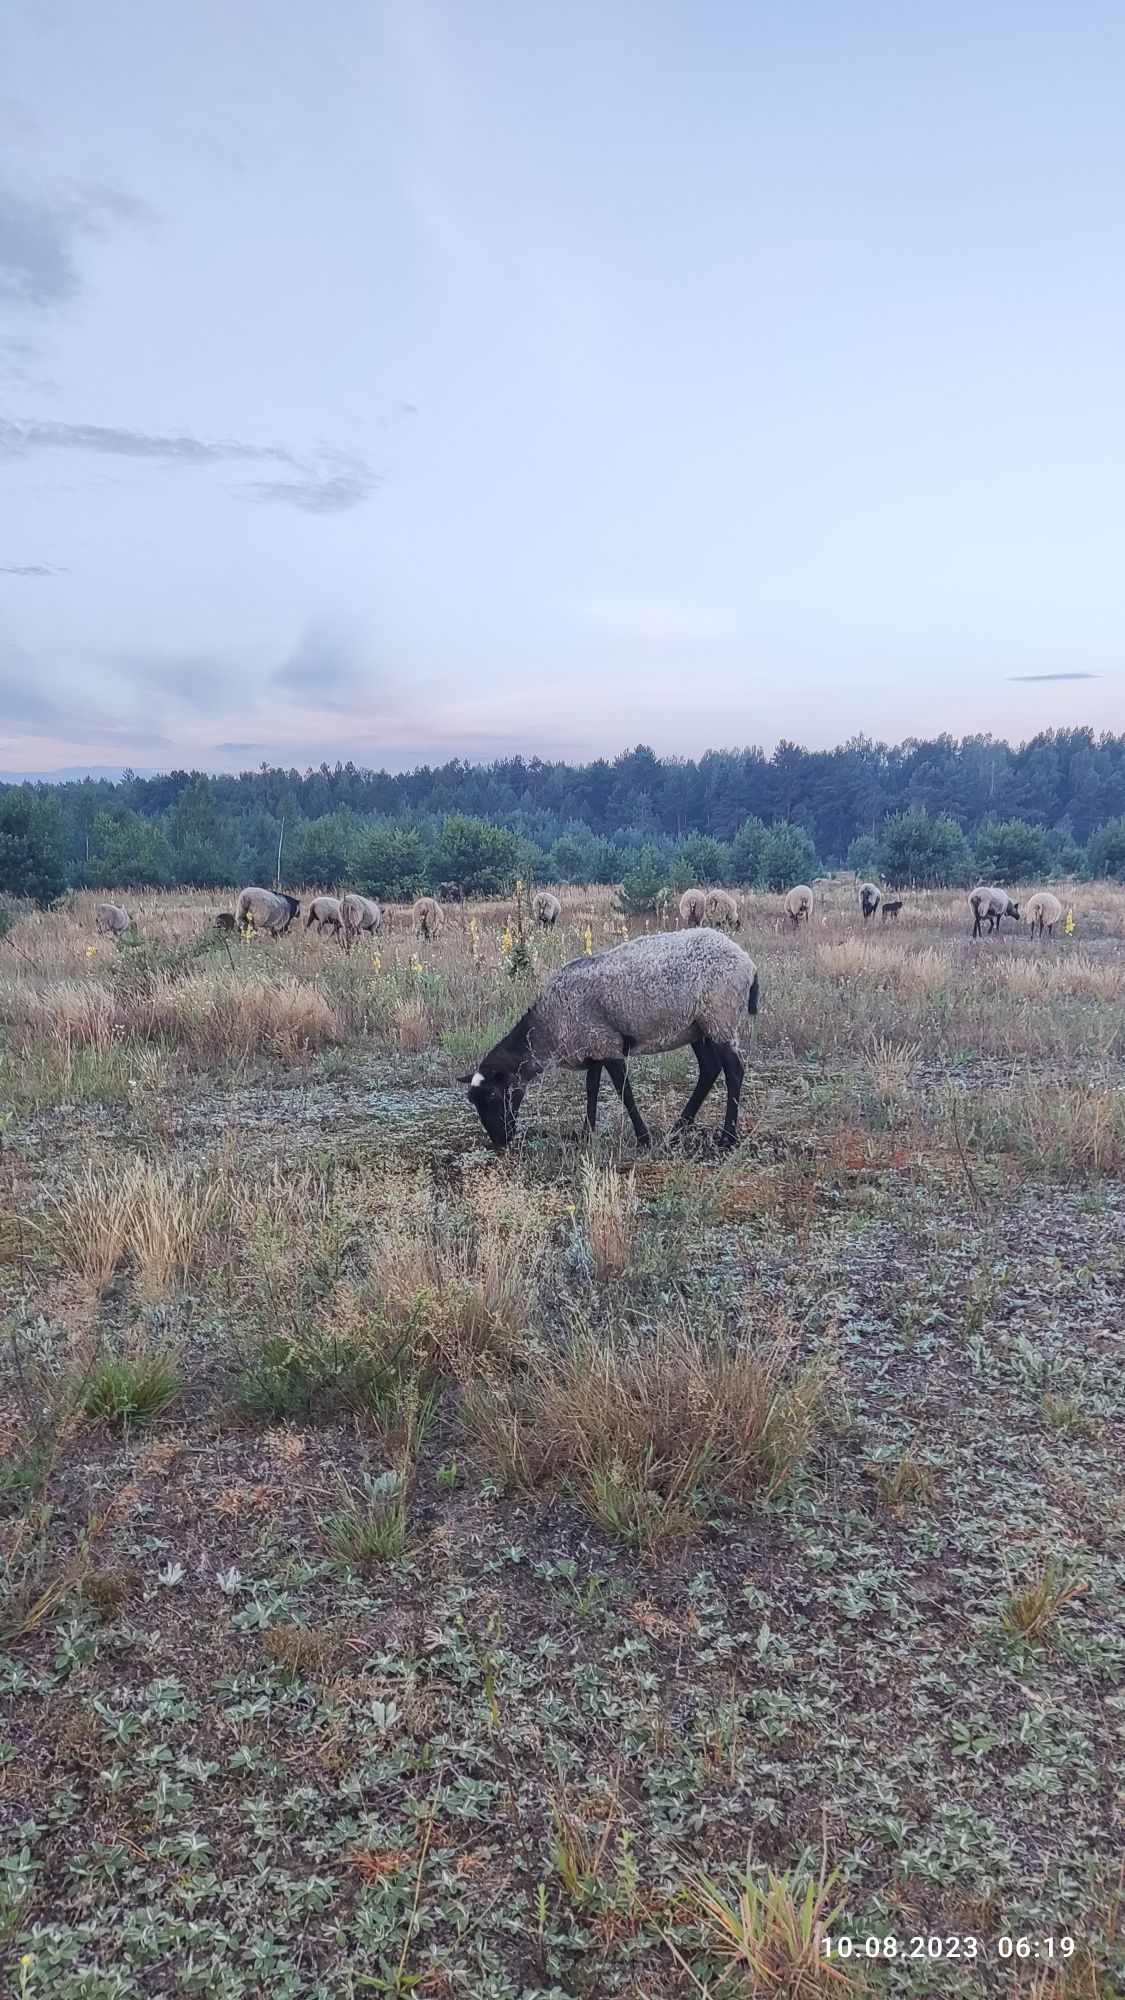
[(349, 916), (988, 905), (693, 987)]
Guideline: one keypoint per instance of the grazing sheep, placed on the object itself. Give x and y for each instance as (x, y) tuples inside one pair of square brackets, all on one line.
[(361, 913), (693, 908), (892, 909), (226, 921), (799, 903), (111, 920), (427, 917), (545, 908), (993, 904), (640, 998), (870, 897), (264, 911), (1045, 910), (325, 912), (722, 911)]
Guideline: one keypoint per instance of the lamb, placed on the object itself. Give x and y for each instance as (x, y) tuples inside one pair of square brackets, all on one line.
[(110, 920), (545, 908), (870, 897), (650, 994), (360, 913), (261, 910), (799, 903), (427, 917), (722, 910), (892, 909), (1045, 910), (993, 904), (225, 922), (326, 913), (693, 908)]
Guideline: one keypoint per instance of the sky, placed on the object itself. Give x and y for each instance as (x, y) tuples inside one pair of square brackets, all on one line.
[(405, 379)]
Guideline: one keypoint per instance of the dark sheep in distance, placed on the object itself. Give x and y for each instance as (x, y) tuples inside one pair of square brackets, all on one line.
[(892, 909)]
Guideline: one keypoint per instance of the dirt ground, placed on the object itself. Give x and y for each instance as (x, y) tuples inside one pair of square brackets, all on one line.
[(563, 1573)]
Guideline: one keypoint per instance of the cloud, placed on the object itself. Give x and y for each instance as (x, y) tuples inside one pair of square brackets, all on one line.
[(194, 681), (21, 438), (324, 669), (316, 496), (33, 569), (39, 235), (325, 482), (1054, 677), (26, 711)]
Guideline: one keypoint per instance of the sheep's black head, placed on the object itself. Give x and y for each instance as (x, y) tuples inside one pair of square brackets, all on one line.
[(1014, 910), (496, 1096)]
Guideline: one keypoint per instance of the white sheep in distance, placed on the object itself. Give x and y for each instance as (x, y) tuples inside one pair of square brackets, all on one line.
[(110, 920), (693, 908), (799, 903), (265, 911), (1043, 910), (991, 905), (325, 912), (663, 991), (545, 908), (870, 897), (722, 910), (360, 913), (427, 917)]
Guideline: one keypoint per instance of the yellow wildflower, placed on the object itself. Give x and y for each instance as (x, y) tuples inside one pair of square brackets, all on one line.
[(415, 963), (377, 961), (90, 950), (506, 940), (1069, 924), (589, 947)]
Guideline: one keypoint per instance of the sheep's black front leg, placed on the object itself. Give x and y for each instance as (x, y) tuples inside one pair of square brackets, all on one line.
[(710, 1064), (734, 1070), (593, 1085), (619, 1077)]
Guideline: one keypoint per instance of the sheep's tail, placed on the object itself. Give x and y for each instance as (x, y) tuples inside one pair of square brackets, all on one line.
[(752, 997)]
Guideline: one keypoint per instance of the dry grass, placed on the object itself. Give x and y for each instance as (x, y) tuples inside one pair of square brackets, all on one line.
[(766, 1935), (647, 1436), (1031, 1609), (612, 1211), (155, 1214)]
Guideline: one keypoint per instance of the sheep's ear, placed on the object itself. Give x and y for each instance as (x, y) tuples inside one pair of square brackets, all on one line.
[(464, 1079)]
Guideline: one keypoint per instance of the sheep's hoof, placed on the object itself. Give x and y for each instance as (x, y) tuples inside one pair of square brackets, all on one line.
[(725, 1140), (644, 1141)]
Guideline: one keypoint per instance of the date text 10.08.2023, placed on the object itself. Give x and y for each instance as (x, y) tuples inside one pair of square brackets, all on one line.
[(937, 1945)]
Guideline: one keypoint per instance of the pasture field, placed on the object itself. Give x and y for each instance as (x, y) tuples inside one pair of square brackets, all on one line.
[(559, 1573)]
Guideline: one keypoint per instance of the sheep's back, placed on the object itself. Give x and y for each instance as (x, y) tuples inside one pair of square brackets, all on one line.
[(656, 993)]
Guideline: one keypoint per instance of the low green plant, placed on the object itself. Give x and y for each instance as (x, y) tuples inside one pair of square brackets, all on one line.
[(130, 1391), (369, 1526)]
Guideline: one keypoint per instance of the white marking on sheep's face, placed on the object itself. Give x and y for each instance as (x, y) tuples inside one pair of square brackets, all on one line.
[(476, 1080)]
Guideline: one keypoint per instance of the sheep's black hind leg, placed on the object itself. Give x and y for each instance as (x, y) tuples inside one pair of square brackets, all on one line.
[(707, 1056), (734, 1069), (593, 1085), (619, 1077)]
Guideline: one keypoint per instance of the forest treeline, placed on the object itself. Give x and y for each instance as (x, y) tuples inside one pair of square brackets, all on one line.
[(934, 811)]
